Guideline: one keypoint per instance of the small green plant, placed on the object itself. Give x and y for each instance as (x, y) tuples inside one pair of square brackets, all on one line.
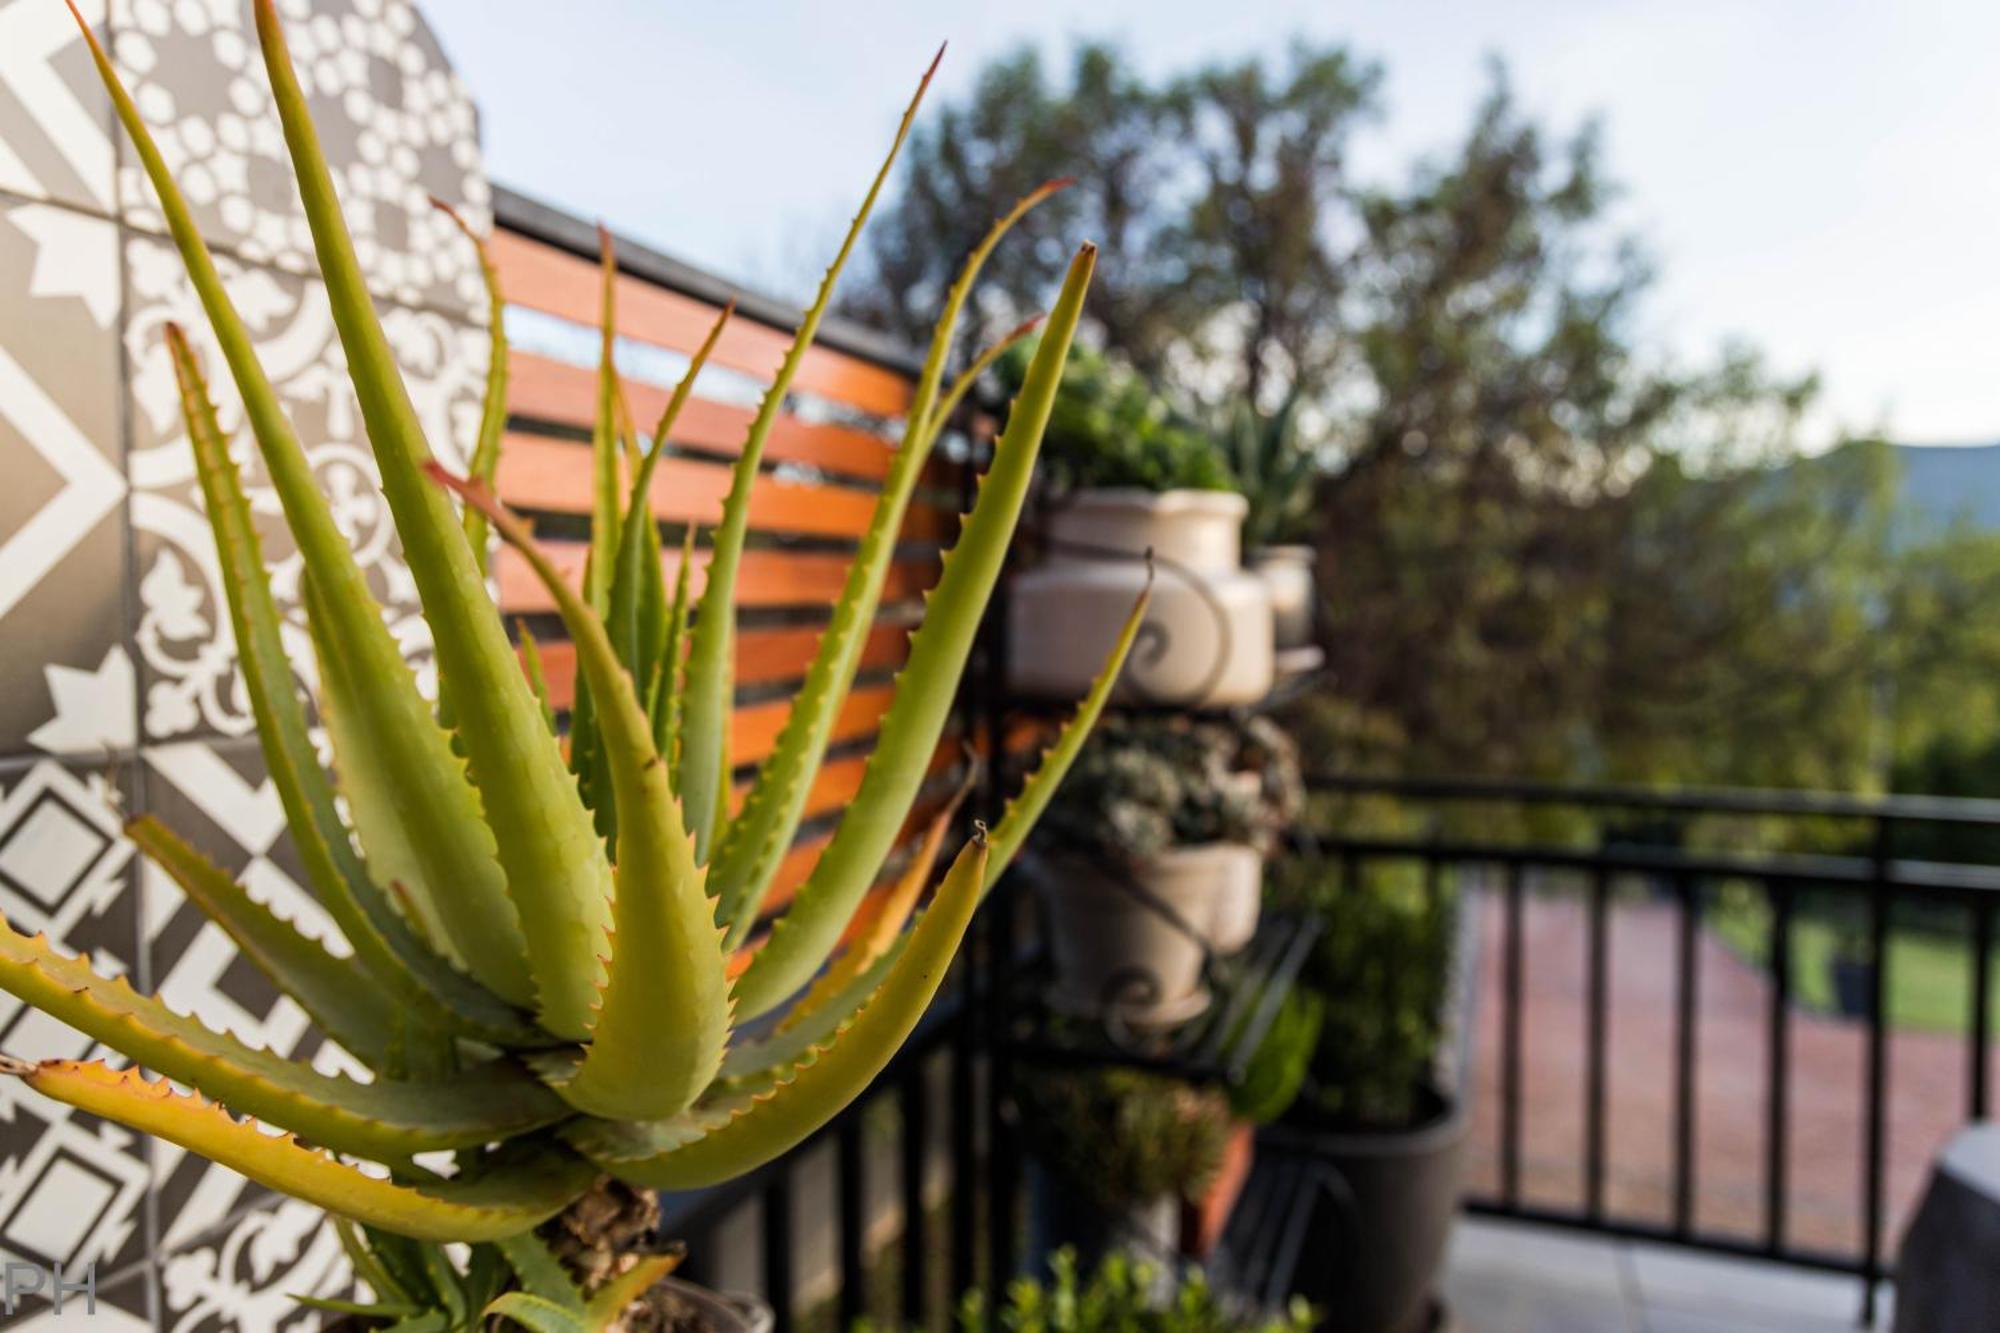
[(1124, 1137), (1120, 1297), (1108, 428), (1380, 970), (1148, 782), (539, 971), (1274, 469)]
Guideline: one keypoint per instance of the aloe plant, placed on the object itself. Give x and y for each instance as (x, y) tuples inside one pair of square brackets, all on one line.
[(539, 973)]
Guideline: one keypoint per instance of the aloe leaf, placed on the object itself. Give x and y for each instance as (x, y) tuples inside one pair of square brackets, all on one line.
[(531, 662), (604, 437), (493, 408), (664, 1015), (748, 858), (1018, 820), (367, 1265), (927, 686), (665, 706), (365, 1309), (711, 657), (383, 1120), (678, 1154), (361, 1018), (941, 415), (426, 777), (879, 921), (539, 1271), (794, 1040), (556, 872), (499, 1203), (636, 632), (419, 822), (611, 1299)]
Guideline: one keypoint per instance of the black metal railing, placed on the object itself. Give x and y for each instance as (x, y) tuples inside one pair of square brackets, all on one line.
[(1808, 850)]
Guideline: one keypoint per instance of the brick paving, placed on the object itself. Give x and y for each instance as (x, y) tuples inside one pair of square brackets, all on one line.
[(1927, 1083)]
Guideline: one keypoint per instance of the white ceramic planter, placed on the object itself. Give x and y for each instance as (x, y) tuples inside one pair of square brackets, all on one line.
[(1118, 955), (1207, 640), (1288, 572)]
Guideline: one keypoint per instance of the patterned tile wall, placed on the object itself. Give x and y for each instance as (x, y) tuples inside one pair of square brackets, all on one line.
[(119, 689)]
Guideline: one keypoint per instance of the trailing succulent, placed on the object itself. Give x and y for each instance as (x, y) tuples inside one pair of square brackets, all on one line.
[(1150, 782), (540, 975)]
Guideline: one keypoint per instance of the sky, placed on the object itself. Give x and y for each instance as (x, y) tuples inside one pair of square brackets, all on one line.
[(1820, 178)]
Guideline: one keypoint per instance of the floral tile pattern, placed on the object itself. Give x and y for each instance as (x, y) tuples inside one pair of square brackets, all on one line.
[(181, 635), (396, 124), (55, 119), (121, 693), (62, 553)]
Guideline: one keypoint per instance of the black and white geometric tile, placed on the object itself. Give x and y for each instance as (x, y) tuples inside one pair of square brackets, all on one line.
[(119, 690)]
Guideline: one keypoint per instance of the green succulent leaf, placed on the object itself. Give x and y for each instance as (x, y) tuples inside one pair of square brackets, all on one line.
[(531, 662), (665, 1012), (540, 1272), (363, 1019), (718, 1144), (927, 686), (665, 706), (425, 778), (384, 1120), (498, 1203), (555, 867), (749, 856), (485, 462), (711, 656)]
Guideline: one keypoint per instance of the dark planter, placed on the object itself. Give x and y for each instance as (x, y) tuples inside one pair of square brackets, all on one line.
[(1372, 1252), (1853, 984)]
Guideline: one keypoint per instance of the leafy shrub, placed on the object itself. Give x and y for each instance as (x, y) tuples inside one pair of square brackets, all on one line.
[(1381, 970), (1146, 783), (1278, 1067), (1108, 428), (1118, 1296), (1123, 1137)]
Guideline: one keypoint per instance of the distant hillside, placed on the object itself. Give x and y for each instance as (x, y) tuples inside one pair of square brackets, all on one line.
[(1948, 482)]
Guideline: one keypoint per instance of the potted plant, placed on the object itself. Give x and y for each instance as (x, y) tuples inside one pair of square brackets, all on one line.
[(1156, 858), (1121, 1296), (1116, 1152), (1128, 477), (1276, 472), (1372, 1106), (519, 1019)]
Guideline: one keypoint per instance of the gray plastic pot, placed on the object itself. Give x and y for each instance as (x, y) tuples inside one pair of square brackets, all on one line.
[(1372, 1257)]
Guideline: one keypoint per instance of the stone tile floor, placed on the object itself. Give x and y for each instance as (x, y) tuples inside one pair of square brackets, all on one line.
[(1513, 1278)]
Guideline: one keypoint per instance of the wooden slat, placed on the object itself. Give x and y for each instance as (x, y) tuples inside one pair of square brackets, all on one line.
[(754, 729), (767, 578), (541, 472), (552, 391), (555, 282), (763, 656)]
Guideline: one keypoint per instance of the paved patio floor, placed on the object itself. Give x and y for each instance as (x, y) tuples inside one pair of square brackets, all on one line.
[(1508, 1277)]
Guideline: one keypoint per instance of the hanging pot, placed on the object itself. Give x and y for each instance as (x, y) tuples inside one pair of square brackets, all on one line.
[(1207, 639)]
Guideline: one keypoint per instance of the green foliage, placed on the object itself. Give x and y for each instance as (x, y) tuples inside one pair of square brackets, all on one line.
[(1380, 970), (1110, 428), (1123, 1137), (512, 1006), (1120, 1297), (1274, 469), (1147, 782), (1282, 1060)]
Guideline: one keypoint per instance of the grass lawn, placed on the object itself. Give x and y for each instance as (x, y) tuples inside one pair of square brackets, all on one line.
[(1930, 975)]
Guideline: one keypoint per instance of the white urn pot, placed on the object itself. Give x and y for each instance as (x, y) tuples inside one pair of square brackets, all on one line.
[(1288, 572), (1207, 638), (1132, 947)]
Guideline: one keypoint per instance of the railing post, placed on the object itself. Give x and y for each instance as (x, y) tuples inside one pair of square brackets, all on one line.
[(1597, 1015), (777, 1210), (851, 1188), (1779, 1093), (1687, 1019), (915, 1097), (1977, 1075), (1878, 1068), (1510, 1039)]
